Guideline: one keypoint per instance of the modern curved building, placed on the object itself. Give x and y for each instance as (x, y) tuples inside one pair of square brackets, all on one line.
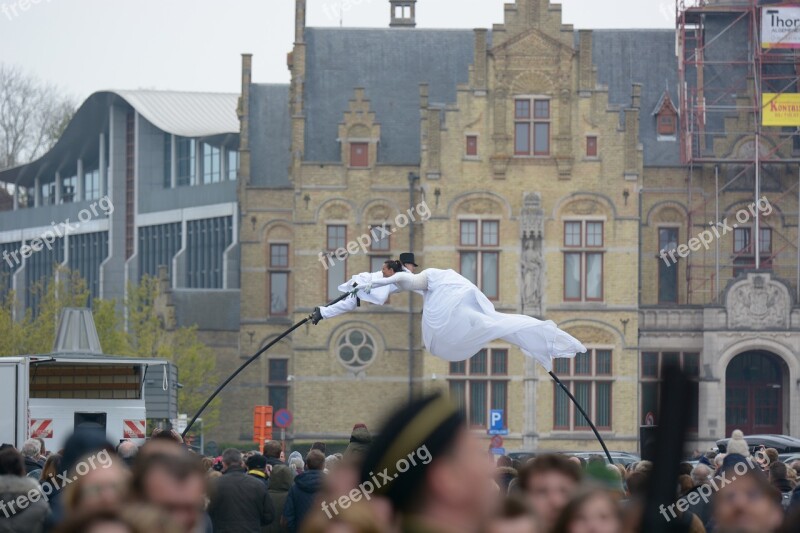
[(138, 180)]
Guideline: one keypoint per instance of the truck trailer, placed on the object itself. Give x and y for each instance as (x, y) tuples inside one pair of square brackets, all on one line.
[(76, 387)]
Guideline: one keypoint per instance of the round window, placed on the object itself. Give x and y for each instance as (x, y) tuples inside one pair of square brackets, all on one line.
[(356, 350)]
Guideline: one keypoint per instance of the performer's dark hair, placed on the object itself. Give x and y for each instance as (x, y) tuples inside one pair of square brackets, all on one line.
[(394, 265)]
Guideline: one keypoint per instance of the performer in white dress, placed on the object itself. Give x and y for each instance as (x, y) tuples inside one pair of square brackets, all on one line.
[(458, 320), (376, 297)]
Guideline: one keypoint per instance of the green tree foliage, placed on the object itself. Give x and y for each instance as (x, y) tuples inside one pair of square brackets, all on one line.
[(148, 334)]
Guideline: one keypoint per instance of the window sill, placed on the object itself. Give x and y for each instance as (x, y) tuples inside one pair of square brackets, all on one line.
[(472, 159)]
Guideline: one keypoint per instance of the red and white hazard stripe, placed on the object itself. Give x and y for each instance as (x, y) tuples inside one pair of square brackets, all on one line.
[(41, 428), (133, 429)]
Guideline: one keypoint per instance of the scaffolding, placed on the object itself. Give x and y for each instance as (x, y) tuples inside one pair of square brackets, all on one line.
[(723, 75)]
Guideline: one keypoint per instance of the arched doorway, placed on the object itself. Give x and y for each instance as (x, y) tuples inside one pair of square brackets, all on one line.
[(755, 383)]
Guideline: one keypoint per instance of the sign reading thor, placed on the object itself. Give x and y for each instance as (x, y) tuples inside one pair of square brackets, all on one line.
[(780, 27)]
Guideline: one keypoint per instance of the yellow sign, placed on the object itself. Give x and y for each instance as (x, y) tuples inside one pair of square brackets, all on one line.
[(780, 109)]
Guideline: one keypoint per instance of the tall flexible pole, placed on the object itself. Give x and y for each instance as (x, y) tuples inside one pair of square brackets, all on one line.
[(589, 420), (253, 358)]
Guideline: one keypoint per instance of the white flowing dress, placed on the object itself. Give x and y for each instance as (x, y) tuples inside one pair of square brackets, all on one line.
[(458, 320)]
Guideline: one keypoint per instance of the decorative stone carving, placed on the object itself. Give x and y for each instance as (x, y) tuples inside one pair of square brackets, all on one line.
[(669, 214), (480, 206), (591, 335), (758, 302), (379, 213), (532, 257), (582, 207), (336, 212)]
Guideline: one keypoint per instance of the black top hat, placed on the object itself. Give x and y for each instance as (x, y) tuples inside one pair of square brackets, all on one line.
[(408, 258)]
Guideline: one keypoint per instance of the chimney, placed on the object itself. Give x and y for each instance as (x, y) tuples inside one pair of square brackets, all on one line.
[(300, 21), (76, 333), (404, 13)]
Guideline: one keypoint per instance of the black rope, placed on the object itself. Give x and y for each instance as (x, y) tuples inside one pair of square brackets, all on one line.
[(589, 420), (253, 358)]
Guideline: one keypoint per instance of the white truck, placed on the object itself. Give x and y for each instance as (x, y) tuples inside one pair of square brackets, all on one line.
[(76, 387)]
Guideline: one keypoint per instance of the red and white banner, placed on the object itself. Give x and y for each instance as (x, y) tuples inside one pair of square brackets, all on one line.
[(133, 429), (41, 428)]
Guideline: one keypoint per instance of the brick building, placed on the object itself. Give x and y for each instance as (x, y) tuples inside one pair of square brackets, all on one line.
[(552, 164)]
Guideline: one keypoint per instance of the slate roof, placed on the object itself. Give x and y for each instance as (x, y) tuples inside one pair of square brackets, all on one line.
[(389, 64), (270, 136), (624, 57)]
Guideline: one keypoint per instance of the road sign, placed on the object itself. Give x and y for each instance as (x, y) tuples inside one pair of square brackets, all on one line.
[(497, 441), (498, 451), (283, 418), (262, 424), (496, 423)]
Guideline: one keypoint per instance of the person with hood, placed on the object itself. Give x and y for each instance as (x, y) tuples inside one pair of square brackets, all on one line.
[(296, 463), (301, 495), (279, 484), (15, 487), (360, 441)]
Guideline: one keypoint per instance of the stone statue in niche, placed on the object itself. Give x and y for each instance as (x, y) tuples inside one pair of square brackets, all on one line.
[(532, 257)]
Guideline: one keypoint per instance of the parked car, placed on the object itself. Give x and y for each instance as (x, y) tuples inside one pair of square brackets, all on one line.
[(782, 443), (624, 458), (788, 458)]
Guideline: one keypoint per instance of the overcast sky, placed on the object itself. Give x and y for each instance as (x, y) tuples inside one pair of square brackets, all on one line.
[(90, 45)]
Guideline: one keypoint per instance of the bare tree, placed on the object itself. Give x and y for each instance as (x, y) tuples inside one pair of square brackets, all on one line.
[(33, 115)]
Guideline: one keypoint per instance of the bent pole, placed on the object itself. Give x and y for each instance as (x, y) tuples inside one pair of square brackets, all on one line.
[(589, 420), (249, 361)]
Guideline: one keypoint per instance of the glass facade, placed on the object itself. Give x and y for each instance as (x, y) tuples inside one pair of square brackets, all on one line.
[(206, 242), (158, 246)]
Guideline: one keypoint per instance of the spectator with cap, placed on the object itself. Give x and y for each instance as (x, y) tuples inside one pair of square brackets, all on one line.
[(257, 468), (443, 477), (737, 445), (302, 493), (239, 503)]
